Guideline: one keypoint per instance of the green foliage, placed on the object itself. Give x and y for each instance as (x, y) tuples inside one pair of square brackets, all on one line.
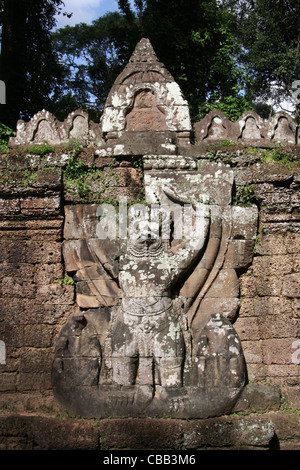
[(29, 65), (5, 134), (65, 281), (224, 54), (76, 174), (41, 149), (278, 155), (233, 105), (269, 34), (284, 407), (244, 196), (273, 155), (93, 55), (195, 42), (82, 180)]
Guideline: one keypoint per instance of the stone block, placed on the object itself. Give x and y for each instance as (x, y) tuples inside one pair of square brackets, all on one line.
[(252, 351), (46, 252), (275, 173), (244, 222), (283, 374), (18, 288), (248, 328), (258, 398), (43, 433), (87, 301), (33, 381), (225, 285), (248, 307), (38, 336), (291, 285), (40, 206), (140, 434), (271, 244), (267, 266), (35, 360), (278, 326), (13, 251), (248, 286), (248, 431), (9, 207), (271, 286), (292, 399), (55, 294), (292, 242), (287, 428), (239, 254), (48, 273), (80, 221), (278, 350), (8, 382), (274, 306), (256, 372)]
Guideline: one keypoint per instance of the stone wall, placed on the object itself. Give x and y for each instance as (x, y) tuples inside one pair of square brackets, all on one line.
[(143, 140), (37, 297)]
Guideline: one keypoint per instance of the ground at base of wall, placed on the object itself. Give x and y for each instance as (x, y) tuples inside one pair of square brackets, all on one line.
[(267, 431)]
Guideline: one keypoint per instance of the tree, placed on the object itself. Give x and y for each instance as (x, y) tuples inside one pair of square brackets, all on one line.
[(28, 64), (93, 55), (269, 31), (194, 41)]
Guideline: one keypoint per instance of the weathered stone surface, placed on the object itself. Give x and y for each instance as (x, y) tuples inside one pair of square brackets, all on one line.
[(167, 273), (140, 434), (257, 398), (273, 431), (248, 129), (287, 429), (143, 346), (40, 433), (250, 431), (45, 128), (145, 97)]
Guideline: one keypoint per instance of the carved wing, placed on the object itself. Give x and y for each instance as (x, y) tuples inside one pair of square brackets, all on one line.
[(90, 260), (211, 284)]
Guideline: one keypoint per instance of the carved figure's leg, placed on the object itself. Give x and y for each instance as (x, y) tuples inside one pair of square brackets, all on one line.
[(124, 353), (171, 371), (146, 371), (169, 354), (124, 370)]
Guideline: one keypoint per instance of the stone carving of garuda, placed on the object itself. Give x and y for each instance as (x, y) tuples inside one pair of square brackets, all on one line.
[(154, 333)]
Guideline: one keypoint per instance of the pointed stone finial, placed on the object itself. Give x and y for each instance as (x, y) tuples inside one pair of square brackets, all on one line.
[(143, 52), (145, 97)]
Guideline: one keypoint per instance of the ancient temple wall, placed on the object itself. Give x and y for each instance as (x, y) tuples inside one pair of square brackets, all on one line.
[(200, 325), (37, 297)]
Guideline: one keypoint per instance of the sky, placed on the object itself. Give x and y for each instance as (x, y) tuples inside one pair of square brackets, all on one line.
[(85, 11)]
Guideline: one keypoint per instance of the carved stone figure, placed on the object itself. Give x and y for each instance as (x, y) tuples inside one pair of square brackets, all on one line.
[(147, 335), (156, 284)]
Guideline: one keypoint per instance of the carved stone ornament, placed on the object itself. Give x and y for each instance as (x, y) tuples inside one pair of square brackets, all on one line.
[(156, 285)]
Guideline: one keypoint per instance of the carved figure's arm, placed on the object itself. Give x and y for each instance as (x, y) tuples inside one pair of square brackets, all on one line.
[(196, 228)]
